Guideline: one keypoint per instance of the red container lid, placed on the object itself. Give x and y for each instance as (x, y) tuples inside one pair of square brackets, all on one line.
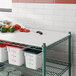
[(8, 42), (15, 46), (3, 41), (2, 45)]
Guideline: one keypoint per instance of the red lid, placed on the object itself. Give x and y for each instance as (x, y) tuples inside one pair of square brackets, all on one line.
[(7, 42), (3, 41), (19, 47), (2, 45)]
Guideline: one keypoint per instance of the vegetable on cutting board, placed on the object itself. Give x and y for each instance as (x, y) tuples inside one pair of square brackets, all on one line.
[(21, 29), (17, 26), (3, 25), (4, 29), (8, 26), (24, 30), (12, 29)]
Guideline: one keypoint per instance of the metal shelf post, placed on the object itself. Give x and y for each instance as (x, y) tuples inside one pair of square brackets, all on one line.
[(44, 59), (69, 54)]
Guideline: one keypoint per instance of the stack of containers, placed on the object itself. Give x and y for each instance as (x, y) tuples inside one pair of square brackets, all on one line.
[(3, 53), (15, 54)]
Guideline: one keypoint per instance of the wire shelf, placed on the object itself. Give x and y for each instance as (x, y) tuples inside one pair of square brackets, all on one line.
[(53, 68)]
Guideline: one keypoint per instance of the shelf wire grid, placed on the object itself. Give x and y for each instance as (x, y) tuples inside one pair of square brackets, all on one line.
[(53, 68)]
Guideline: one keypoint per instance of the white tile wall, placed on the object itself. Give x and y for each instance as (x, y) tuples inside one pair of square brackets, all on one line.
[(57, 17)]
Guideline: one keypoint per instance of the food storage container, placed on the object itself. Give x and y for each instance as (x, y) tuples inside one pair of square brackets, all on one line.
[(33, 58), (15, 55)]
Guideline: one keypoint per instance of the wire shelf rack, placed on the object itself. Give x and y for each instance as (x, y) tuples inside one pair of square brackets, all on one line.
[(53, 68)]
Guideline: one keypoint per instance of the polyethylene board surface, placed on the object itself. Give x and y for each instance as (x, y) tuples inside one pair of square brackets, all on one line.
[(33, 38)]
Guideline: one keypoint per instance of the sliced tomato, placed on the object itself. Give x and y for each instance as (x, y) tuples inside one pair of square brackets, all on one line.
[(26, 30), (21, 29)]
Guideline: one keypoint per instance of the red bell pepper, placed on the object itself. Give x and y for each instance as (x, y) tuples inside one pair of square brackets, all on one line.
[(21, 29), (17, 27), (24, 30)]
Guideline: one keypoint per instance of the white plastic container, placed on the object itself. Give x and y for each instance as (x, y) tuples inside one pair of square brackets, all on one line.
[(33, 58), (3, 53), (15, 55)]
